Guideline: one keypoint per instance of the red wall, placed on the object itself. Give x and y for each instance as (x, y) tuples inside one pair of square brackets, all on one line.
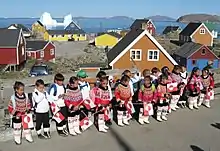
[(47, 55), (8, 56), (208, 55), (151, 28)]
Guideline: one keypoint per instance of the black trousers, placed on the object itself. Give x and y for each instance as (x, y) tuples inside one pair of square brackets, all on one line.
[(42, 118), (72, 114), (16, 120), (64, 112)]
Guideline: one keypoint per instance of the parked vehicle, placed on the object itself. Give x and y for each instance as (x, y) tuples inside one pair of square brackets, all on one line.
[(40, 70)]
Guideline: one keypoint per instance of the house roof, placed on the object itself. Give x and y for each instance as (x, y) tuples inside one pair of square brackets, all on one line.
[(36, 45), (188, 49), (170, 29), (93, 65), (20, 26), (190, 29), (114, 34), (40, 23), (130, 39), (63, 32), (72, 26), (137, 24), (9, 37)]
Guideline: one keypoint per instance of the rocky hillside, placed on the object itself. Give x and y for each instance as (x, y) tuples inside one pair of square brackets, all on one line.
[(198, 18)]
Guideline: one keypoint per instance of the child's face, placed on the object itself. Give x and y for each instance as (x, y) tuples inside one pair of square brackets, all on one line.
[(126, 83), (20, 90), (178, 71), (104, 83), (197, 73), (82, 79), (129, 74), (59, 82), (204, 73), (74, 85), (183, 69), (40, 88), (147, 81)]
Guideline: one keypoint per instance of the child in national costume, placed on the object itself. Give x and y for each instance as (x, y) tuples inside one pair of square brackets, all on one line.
[(57, 92), (163, 99), (176, 78), (208, 85), (194, 87), (183, 97), (155, 74), (102, 99), (123, 97), (99, 76), (18, 106), (73, 100), (41, 99), (84, 87), (146, 96), (166, 71)]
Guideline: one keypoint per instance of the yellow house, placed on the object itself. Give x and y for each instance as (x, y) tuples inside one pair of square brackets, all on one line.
[(107, 39), (38, 27), (64, 35)]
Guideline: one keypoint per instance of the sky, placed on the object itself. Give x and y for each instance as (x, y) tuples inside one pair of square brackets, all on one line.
[(107, 8)]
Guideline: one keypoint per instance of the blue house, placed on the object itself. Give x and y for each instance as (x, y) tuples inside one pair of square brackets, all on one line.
[(195, 55), (73, 26)]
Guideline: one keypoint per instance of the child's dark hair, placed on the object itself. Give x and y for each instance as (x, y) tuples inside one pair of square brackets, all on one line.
[(125, 78), (155, 70), (39, 82), (17, 85), (126, 72), (103, 78), (73, 79), (101, 74), (58, 77), (205, 70), (146, 72)]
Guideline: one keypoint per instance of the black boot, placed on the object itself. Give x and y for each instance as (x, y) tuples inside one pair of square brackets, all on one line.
[(42, 136), (61, 133), (47, 134), (108, 123)]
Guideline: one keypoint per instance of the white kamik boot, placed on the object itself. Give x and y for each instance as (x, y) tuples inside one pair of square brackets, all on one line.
[(140, 118), (125, 118), (159, 112), (101, 123), (76, 127), (146, 119), (207, 103), (201, 98), (119, 118), (71, 125), (28, 135)]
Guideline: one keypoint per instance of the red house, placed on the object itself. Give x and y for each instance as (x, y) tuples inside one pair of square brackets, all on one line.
[(12, 49), (41, 50), (144, 24)]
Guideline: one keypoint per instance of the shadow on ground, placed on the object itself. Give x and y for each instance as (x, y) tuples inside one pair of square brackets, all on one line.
[(216, 125), (121, 142), (196, 148)]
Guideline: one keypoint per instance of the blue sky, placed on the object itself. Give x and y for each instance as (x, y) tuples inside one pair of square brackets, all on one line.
[(107, 8)]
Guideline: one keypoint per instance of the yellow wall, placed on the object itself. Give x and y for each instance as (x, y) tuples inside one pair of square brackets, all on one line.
[(106, 40), (64, 38), (38, 28)]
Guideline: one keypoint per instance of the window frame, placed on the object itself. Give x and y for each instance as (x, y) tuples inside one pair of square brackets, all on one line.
[(28, 54), (52, 51), (135, 50), (203, 53), (22, 50), (42, 54), (148, 55), (194, 62), (200, 31)]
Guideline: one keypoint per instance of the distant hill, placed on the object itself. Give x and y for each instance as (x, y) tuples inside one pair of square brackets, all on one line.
[(198, 18), (161, 18)]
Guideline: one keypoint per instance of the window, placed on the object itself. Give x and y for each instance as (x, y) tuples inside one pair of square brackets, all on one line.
[(78, 35), (42, 54), (22, 50), (202, 31), (135, 54), (21, 41), (28, 54), (193, 62), (51, 52), (153, 55), (203, 51)]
